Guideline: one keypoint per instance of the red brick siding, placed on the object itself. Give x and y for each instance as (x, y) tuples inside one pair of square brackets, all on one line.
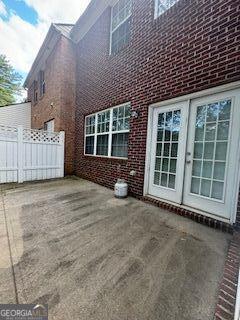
[(228, 288), (193, 46), (238, 214), (60, 90)]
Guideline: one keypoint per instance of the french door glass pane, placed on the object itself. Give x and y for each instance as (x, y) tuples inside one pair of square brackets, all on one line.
[(210, 149), (167, 149)]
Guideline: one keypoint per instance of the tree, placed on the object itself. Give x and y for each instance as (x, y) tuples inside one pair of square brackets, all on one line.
[(10, 82)]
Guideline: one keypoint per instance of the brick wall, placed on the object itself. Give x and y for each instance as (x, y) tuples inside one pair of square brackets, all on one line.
[(60, 90), (238, 214), (193, 46)]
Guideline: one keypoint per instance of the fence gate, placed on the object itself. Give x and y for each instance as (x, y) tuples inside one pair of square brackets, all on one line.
[(27, 155)]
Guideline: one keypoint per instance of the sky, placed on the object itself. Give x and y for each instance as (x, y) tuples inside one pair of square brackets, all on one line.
[(24, 25)]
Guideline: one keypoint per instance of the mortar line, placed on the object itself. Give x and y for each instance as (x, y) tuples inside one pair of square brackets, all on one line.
[(10, 249)]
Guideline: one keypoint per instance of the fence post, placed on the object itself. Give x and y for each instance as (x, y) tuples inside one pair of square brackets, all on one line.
[(62, 143), (20, 154)]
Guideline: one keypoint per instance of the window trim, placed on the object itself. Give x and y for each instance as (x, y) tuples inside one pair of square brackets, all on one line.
[(109, 133), (113, 30)]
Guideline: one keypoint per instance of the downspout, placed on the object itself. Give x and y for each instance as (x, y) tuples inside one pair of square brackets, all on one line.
[(237, 308)]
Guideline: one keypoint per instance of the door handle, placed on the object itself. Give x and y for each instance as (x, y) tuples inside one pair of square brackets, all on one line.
[(188, 154)]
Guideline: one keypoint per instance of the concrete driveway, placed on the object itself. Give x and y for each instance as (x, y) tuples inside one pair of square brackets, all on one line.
[(91, 256)]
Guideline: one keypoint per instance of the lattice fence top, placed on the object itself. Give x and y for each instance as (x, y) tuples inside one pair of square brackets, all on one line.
[(40, 136), (8, 133)]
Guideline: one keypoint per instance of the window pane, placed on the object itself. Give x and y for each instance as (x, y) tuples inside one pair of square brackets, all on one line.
[(195, 185), (209, 150), (163, 5), (103, 121), (198, 150), (165, 164), (217, 190), (160, 135), (225, 110), (90, 125), (120, 145), (173, 166), (197, 165), (212, 112), (171, 181), (159, 150), (210, 132), (102, 145), (157, 178), (120, 12), (207, 169), (221, 151), (219, 170), (166, 149), (121, 117), (89, 145), (200, 123), (158, 164), (223, 128), (174, 150), (205, 188), (164, 178), (121, 36)]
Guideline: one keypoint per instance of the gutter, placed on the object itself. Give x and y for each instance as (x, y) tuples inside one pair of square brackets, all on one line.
[(237, 308)]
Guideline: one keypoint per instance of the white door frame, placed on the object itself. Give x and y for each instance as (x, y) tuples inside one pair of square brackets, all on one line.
[(189, 97)]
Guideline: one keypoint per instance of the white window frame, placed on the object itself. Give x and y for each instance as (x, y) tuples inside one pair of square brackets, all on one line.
[(113, 30), (110, 133), (156, 15)]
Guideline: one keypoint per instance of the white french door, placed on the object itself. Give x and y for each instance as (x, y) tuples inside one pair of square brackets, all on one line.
[(212, 156), (168, 153), (195, 153)]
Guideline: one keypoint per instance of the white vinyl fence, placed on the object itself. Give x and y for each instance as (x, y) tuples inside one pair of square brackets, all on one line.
[(27, 155)]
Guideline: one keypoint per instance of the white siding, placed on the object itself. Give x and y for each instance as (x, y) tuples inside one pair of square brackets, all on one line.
[(16, 115)]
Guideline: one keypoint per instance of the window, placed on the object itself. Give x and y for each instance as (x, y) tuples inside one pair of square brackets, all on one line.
[(103, 125), (120, 26), (35, 92), (163, 5), (49, 126), (106, 132), (42, 83)]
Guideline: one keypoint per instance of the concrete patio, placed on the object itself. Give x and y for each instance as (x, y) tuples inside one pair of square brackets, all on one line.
[(71, 244)]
